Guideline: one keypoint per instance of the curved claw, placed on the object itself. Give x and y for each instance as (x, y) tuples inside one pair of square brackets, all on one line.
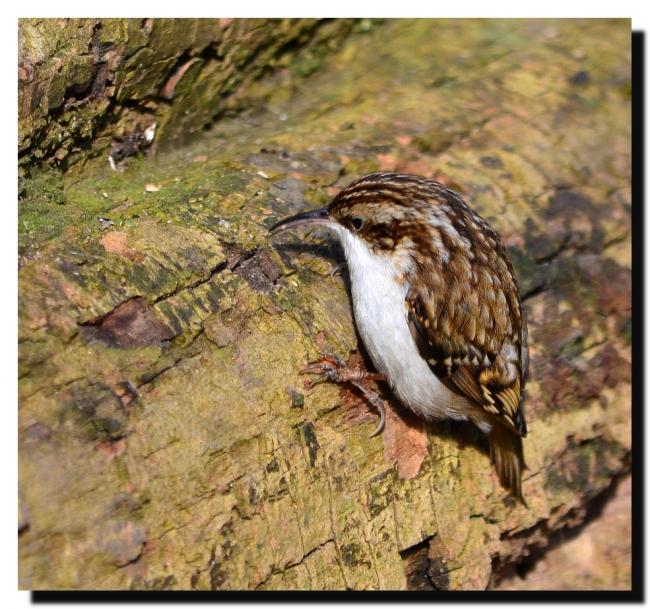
[(378, 403), (382, 421), (336, 270)]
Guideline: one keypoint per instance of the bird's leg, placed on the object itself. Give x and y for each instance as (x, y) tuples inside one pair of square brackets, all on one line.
[(333, 369)]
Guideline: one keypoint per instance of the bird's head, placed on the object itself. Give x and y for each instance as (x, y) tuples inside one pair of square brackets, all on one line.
[(393, 216)]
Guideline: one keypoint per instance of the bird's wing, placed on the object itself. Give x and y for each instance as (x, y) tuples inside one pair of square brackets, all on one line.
[(474, 342)]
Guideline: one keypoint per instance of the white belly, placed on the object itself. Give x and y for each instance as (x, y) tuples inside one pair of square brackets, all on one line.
[(381, 318)]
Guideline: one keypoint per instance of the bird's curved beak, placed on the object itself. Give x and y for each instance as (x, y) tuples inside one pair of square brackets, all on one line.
[(315, 217)]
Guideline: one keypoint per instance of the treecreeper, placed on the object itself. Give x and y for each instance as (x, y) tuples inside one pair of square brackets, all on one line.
[(437, 306)]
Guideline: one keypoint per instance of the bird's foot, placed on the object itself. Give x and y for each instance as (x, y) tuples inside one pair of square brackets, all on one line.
[(333, 369), (336, 269)]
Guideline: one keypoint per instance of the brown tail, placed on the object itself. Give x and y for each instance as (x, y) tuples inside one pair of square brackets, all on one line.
[(507, 455)]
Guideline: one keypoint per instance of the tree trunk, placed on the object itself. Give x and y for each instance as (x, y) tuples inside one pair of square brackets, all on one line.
[(85, 83), (167, 439)]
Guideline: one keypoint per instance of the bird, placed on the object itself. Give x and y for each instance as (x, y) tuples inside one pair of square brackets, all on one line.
[(436, 304)]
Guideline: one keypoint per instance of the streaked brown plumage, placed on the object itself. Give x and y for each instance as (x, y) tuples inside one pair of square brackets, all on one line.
[(410, 239)]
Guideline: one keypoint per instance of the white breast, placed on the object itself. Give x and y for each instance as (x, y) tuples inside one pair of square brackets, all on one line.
[(381, 318)]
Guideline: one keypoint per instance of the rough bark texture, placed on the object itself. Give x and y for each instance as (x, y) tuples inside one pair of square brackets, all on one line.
[(166, 437), (85, 82)]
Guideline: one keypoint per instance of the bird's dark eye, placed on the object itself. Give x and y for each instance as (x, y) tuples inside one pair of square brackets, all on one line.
[(357, 223)]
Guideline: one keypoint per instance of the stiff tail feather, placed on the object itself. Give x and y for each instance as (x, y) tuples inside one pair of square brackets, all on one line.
[(507, 454)]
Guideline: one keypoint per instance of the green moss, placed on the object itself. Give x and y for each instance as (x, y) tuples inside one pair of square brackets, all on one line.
[(45, 185), (352, 554), (79, 71), (308, 62), (297, 399), (56, 91), (41, 210), (380, 492)]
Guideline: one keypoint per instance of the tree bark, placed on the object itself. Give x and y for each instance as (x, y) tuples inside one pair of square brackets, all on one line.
[(167, 439), (86, 83)]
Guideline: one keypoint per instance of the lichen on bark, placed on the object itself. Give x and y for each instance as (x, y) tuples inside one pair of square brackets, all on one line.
[(87, 82), (166, 437)]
